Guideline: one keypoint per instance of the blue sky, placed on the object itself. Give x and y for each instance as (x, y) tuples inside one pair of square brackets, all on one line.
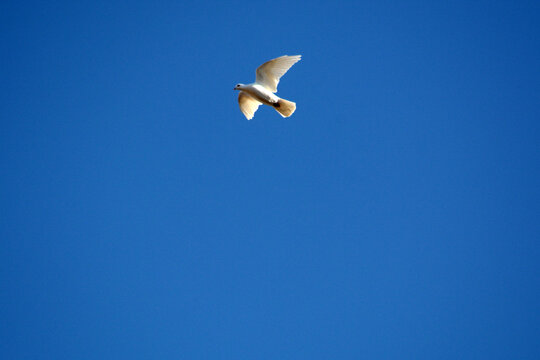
[(395, 215)]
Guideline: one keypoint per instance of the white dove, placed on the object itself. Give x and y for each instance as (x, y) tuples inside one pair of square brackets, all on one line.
[(265, 85)]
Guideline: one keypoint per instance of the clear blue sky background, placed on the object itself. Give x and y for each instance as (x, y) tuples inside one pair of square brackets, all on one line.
[(395, 215)]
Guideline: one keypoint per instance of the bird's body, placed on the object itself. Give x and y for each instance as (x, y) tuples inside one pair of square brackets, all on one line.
[(260, 93), (262, 90)]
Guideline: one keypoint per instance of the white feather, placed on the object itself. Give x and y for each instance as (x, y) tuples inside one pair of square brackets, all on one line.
[(248, 105), (269, 73)]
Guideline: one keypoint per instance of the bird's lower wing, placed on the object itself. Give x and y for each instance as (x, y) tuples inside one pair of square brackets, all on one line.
[(248, 105)]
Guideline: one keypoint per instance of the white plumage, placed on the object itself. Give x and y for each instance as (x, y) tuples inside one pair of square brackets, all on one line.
[(262, 90)]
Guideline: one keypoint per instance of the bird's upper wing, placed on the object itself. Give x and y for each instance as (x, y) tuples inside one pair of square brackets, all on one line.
[(269, 73), (248, 105)]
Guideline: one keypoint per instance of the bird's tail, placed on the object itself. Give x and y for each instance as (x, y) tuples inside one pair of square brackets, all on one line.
[(284, 107)]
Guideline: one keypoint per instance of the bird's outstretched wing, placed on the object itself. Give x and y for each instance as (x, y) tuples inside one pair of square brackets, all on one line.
[(269, 73), (248, 105)]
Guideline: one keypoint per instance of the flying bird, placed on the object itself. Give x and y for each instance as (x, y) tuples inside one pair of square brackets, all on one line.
[(262, 90)]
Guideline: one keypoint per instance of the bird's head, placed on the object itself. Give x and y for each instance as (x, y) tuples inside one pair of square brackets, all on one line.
[(238, 86)]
